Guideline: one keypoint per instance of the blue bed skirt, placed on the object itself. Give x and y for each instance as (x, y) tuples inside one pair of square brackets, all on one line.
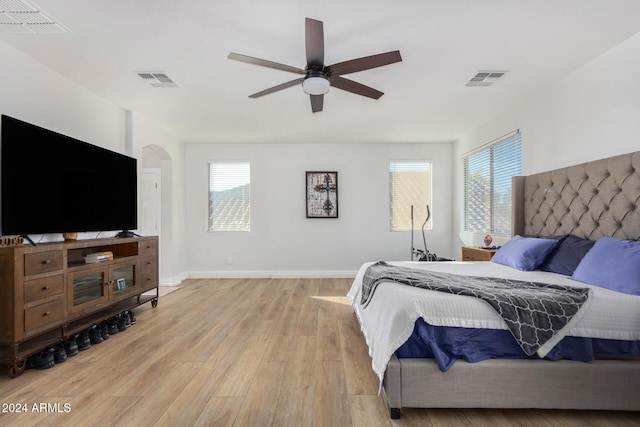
[(448, 344)]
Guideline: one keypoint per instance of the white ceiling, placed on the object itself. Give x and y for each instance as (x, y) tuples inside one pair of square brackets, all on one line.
[(443, 44)]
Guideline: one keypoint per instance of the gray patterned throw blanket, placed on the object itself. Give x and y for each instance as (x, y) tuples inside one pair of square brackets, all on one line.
[(534, 312)]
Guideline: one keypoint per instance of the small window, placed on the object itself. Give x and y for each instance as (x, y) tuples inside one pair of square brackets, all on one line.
[(487, 185), (229, 196), (409, 186)]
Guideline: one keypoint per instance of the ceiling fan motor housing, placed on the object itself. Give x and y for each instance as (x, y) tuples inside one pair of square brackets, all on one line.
[(316, 83)]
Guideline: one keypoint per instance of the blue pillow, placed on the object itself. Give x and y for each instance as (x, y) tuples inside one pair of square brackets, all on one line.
[(567, 255), (613, 264), (524, 253)]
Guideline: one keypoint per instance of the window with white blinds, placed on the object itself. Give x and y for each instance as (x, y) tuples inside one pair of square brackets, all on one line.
[(487, 185), (409, 185), (229, 196)]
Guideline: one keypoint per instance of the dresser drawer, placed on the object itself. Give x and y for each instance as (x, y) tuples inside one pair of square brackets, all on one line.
[(149, 263), (42, 262), (148, 247), (148, 280), (45, 287), (44, 314)]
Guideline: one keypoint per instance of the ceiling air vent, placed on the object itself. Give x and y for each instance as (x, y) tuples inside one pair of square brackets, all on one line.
[(156, 78), (485, 78), (21, 17)]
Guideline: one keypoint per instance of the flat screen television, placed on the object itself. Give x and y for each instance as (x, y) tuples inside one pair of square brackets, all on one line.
[(52, 183)]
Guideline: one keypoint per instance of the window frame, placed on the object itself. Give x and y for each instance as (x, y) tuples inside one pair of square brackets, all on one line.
[(419, 211), (511, 144), (227, 226)]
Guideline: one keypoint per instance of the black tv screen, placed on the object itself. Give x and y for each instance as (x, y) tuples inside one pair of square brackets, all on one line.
[(52, 183)]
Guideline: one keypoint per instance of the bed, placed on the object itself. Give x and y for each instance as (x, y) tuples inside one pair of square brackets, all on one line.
[(596, 203)]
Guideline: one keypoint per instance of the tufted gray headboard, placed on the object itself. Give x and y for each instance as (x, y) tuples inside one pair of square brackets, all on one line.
[(591, 200)]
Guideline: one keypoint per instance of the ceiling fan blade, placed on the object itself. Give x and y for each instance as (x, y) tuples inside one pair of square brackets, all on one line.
[(316, 102), (265, 63), (314, 44), (355, 87), (364, 63), (277, 88)]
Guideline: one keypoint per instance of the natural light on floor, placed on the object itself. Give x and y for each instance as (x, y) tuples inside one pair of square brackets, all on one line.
[(336, 299)]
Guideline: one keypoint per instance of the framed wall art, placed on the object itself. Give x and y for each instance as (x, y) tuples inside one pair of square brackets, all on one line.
[(322, 194)]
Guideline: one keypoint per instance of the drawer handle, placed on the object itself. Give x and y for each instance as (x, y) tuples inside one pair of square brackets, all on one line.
[(46, 261), (46, 288), (46, 313)]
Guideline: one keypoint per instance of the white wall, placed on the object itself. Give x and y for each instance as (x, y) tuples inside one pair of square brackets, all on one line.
[(282, 240), (592, 113), (146, 132), (34, 93)]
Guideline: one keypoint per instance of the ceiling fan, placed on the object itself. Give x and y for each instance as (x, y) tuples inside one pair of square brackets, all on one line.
[(318, 77)]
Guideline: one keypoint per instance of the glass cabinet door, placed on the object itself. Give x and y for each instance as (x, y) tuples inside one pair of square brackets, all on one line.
[(123, 278), (88, 288)]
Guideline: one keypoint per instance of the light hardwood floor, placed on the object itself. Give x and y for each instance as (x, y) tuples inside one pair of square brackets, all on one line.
[(241, 352)]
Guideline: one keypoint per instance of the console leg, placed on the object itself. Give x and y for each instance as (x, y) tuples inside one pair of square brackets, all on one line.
[(16, 368)]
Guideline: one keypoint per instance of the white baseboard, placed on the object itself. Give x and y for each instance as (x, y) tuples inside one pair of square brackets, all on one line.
[(174, 281)]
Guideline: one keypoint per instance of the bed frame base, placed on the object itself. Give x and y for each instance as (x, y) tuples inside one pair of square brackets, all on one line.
[(541, 384)]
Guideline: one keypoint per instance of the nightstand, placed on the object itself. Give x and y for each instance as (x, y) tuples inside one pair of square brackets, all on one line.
[(475, 253)]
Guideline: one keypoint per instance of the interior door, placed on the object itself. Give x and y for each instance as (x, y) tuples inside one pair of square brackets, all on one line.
[(150, 203)]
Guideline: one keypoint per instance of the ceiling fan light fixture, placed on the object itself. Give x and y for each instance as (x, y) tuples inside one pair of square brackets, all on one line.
[(315, 85)]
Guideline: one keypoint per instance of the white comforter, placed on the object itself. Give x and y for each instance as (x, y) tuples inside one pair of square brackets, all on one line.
[(388, 320)]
